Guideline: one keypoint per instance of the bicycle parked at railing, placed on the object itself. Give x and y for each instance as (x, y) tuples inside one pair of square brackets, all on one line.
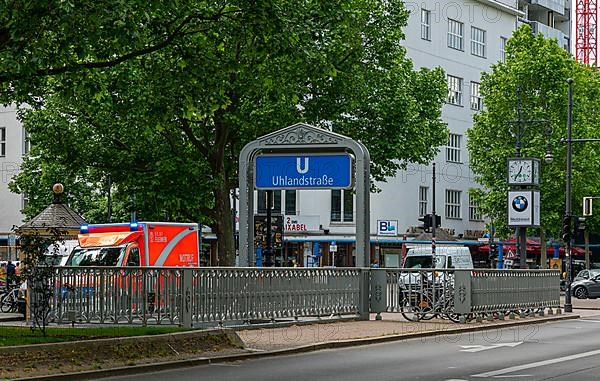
[(428, 295), (9, 301)]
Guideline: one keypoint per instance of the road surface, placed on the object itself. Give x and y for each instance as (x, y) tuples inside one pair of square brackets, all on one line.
[(563, 350)]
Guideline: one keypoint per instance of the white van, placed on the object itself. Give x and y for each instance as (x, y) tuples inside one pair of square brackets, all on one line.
[(58, 253), (446, 257)]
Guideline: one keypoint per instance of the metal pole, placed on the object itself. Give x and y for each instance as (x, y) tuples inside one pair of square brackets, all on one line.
[(233, 219), (269, 249), (433, 220), (521, 232), (109, 200), (568, 305)]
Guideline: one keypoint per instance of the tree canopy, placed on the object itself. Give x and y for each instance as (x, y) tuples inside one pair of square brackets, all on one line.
[(540, 69), (162, 97)]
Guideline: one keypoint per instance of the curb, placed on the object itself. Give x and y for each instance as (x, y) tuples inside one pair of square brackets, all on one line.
[(8, 319), (136, 369)]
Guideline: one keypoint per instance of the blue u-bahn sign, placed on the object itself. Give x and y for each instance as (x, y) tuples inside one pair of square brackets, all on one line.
[(303, 172)]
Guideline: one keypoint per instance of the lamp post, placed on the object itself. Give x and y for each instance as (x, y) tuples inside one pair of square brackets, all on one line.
[(568, 211), (433, 221)]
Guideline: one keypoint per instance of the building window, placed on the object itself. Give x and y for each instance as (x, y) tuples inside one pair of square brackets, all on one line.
[(477, 42), (262, 202), (426, 24), (26, 143), (474, 210), (453, 148), (24, 201), (289, 201), (455, 34), (453, 204), (454, 90), (503, 49), (476, 99), (2, 141), (423, 191), (342, 206)]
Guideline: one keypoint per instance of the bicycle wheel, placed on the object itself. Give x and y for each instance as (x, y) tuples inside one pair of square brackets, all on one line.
[(416, 306), (6, 304)]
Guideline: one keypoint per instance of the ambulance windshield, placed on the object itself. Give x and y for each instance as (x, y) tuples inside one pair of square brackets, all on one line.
[(96, 256)]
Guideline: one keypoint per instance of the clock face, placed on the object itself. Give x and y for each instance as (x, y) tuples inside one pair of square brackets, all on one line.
[(520, 171)]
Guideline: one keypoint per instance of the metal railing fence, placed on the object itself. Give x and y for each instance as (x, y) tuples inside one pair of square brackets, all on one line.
[(482, 290), (212, 295), (188, 296)]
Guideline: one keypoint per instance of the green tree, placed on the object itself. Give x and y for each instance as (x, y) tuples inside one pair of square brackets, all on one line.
[(168, 125), (540, 68)]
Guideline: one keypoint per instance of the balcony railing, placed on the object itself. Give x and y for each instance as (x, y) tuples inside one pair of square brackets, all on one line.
[(549, 32), (553, 5)]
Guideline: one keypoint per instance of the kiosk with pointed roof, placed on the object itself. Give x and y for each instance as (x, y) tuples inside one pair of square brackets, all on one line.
[(56, 216)]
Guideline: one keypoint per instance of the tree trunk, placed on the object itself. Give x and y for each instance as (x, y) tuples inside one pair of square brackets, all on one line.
[(224, 227)]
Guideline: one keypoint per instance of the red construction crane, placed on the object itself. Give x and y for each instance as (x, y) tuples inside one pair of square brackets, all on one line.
[(586, 45)]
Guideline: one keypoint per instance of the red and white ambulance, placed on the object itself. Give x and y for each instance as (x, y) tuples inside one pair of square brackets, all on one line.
[(156, 244)]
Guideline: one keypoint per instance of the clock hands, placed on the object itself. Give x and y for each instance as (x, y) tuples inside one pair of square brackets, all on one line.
[(518, 173)]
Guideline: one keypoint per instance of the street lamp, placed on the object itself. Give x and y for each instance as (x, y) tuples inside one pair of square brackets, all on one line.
[(567, 226)]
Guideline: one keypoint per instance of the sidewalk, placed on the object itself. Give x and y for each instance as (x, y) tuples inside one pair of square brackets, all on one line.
[(391, 327)]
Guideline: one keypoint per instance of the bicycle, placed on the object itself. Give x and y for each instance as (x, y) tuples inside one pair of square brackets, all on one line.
[(10, 301), (429, 298)]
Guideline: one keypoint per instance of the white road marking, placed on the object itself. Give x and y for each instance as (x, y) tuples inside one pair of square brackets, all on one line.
[(537, 364), (514, 376), (479, 348), (589, 320)]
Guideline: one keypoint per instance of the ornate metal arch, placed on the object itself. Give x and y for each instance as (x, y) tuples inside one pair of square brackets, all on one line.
[(304, 138)]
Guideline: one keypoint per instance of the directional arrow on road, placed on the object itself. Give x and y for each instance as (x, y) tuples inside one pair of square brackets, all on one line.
[(479, 348)]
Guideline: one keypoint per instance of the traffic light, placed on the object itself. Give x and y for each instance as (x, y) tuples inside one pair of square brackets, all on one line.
[(426, 220), (493, 251), (566, 228), (587, 206), (438, 221), (579, 224)]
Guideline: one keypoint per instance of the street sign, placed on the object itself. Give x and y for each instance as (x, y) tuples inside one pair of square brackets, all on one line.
[(524, 208), (387, 227), (333, 247), (303, 171)]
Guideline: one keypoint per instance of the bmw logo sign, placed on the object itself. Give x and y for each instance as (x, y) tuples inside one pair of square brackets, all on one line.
[(520, 203)]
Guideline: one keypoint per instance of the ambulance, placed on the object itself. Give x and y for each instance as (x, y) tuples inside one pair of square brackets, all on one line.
[(155, 244)]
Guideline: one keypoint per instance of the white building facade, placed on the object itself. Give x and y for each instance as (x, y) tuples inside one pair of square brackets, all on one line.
[(13, 145)]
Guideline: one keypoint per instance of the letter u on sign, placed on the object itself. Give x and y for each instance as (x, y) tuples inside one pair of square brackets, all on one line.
[(299, 165)]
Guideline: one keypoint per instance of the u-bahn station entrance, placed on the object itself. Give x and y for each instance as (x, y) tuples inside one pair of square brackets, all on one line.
[(308, 159)]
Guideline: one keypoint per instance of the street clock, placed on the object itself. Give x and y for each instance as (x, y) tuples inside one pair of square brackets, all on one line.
[(523, 171)]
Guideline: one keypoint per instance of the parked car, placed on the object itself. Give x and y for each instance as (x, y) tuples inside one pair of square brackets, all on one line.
[(586, 288), (586, 274)]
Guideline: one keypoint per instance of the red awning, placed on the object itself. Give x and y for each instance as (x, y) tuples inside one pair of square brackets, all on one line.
[(533, 248)]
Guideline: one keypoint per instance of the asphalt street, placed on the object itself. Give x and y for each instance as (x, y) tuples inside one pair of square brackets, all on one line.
[(565, 350)]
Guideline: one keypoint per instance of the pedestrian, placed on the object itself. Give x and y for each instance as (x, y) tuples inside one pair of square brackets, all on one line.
[(11, 274)]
